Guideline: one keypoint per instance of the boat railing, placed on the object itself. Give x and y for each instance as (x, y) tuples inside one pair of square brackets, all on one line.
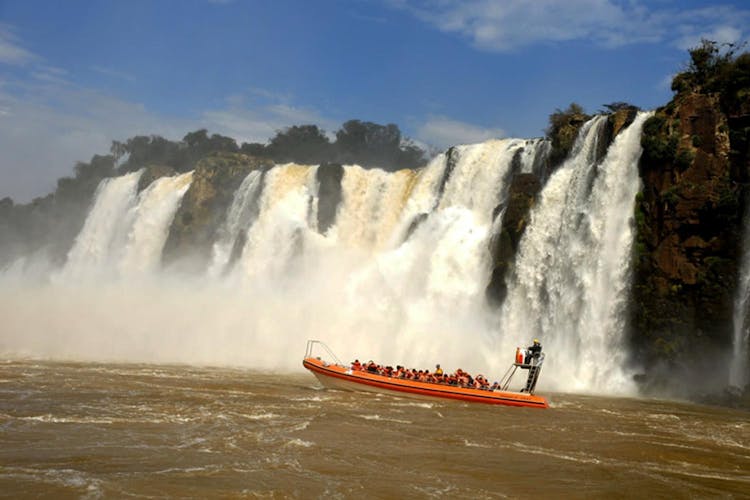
[(311, 347), (534, 366)]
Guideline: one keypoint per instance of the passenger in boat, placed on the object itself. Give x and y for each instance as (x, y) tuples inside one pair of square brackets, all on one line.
[(357, 366), (438, 370), (372, 367), (533, 351)]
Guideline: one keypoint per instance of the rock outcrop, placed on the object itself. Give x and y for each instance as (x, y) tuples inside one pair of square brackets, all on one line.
[(153, 172), (523, 191), (525, 188), (563, 131), (329, 177), (204, 208), (689, 229)]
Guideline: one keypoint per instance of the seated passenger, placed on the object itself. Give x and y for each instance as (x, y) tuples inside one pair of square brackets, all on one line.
[(356, 366)]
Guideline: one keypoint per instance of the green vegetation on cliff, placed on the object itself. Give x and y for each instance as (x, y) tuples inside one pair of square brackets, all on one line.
[(689, 218), (563, 130)]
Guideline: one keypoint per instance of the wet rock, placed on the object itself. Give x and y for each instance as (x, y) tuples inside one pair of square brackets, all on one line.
[(329, 177), (153, 172), (522, 195), (204, 208), (689, 227)]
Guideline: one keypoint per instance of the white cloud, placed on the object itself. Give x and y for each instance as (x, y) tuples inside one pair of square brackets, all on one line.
[(721, 34), (46, 125), (258, 122), (510, 24), (11, 52), (442, 132)]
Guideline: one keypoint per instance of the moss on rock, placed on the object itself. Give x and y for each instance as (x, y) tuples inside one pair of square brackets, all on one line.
[(688, 226), (204, 207)]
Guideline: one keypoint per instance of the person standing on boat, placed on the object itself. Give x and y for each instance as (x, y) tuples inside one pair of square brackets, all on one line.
[(533, 351), (438, 370)]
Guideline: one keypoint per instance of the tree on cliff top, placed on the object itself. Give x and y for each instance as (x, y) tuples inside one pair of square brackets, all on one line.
[(371, 144), (301, 144), (563, 130), (714, 67)]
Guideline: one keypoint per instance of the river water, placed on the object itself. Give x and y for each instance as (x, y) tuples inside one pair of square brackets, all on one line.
[(102, 430)]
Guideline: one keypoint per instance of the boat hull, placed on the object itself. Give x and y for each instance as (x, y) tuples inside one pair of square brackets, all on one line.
[(340, 377)]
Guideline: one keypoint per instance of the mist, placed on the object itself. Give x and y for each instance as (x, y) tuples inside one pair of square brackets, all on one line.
[(399, 277)]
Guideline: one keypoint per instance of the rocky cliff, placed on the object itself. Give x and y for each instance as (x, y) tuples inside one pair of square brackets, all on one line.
[(204, 208), (689, 228), (525, 188)]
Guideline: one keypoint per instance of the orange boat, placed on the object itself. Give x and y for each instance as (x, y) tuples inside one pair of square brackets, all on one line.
[(338, 376)]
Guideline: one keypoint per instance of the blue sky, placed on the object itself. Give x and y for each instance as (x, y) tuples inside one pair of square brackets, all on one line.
[(75, 75)]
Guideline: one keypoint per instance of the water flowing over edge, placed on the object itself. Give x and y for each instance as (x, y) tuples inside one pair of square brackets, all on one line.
[(739, 371), (399, 277), (572, 273)]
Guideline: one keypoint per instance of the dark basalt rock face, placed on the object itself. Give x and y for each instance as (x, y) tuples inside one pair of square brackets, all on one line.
[(414, 224), (329, 177), (689, 231), (522, 195), (452, 156), (204, 208), (563, 136), (616, 123)]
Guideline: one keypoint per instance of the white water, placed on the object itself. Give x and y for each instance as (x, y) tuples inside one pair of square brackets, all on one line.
[(105, 229), (152, 217), (284, 222), (239, 218), (124, 234), (569, 285), (363, 287), (739, 372)]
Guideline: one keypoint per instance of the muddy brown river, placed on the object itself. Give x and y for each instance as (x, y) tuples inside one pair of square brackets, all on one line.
[(143, 431)]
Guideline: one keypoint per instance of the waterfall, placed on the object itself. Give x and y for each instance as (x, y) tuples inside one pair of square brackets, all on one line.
[(399, 276), (284, 221), (372, 204), (102, 233), (124, 233), (241, 215), (487, 165), (738, 367), (152, 215), (569, 286)]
